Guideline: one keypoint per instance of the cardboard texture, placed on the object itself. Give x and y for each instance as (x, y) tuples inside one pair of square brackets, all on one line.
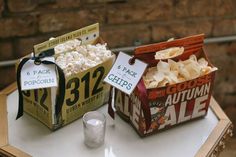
[(172, 104), (85, 91)]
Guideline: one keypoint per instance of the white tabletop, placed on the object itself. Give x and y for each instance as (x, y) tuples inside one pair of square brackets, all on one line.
[(32, 137)]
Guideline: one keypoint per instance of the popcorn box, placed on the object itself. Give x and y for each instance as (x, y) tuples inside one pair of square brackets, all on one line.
[(84, 91), (164, 107)]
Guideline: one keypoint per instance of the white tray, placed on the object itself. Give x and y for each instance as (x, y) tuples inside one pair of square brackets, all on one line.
[(29, 137)]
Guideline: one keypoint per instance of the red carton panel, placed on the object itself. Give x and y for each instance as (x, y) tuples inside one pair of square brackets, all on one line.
[(170, 105)]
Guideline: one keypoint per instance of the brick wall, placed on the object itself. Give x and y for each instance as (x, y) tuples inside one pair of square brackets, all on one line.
[(24, 23)]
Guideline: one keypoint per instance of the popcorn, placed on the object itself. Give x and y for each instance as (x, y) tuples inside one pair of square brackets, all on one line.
[(73, 57), (172, 72), (67, 46), (169, 53)]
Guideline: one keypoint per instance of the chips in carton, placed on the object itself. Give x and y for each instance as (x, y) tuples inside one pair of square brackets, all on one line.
[(84, 91), (171, 91)]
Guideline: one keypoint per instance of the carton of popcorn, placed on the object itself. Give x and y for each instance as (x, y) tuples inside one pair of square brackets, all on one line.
[(84, 60), (175, 88)]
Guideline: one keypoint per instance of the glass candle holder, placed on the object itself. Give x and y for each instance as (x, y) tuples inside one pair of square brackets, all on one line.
[(94, 128)]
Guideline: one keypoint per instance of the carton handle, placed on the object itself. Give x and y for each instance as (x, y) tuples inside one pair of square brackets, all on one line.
[(192, 45), (187, 42)]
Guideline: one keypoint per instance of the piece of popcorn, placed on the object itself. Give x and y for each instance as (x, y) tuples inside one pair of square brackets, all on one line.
[(67, 46), (82, 50), (73, 57)]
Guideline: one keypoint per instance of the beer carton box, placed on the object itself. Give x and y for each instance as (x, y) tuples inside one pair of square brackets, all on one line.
[(171, 104), (84, 91)]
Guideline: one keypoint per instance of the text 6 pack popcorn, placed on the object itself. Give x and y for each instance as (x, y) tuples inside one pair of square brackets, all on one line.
[(175, 88), (82, 60)]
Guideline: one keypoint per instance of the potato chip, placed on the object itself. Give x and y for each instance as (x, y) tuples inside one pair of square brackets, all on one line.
[(181, 79), (172, 72), (169, 53), (193, 69), (172, 78), (152, 84), (163, 66), (171, 39), (184, 73), (163, 83), (150, 73), (159, 76), (202, 63), (174, 66), (193, 58), (207, 70)]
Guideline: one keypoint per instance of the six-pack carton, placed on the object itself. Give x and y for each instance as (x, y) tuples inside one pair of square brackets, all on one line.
[(84, 91), (151, 110)]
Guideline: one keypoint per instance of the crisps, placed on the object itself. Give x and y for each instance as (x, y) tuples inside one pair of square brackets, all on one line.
[(169, 53), (172, 72)]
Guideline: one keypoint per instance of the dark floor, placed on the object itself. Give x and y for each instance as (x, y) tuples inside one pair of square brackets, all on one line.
[(230, 150)]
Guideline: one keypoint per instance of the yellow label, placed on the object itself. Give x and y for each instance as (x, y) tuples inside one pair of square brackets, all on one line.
[(86, 91), (87, 35), (37, 103)]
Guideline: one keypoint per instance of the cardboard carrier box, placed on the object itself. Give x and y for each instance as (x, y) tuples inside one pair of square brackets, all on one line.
[(77, 55), (175, 88)]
